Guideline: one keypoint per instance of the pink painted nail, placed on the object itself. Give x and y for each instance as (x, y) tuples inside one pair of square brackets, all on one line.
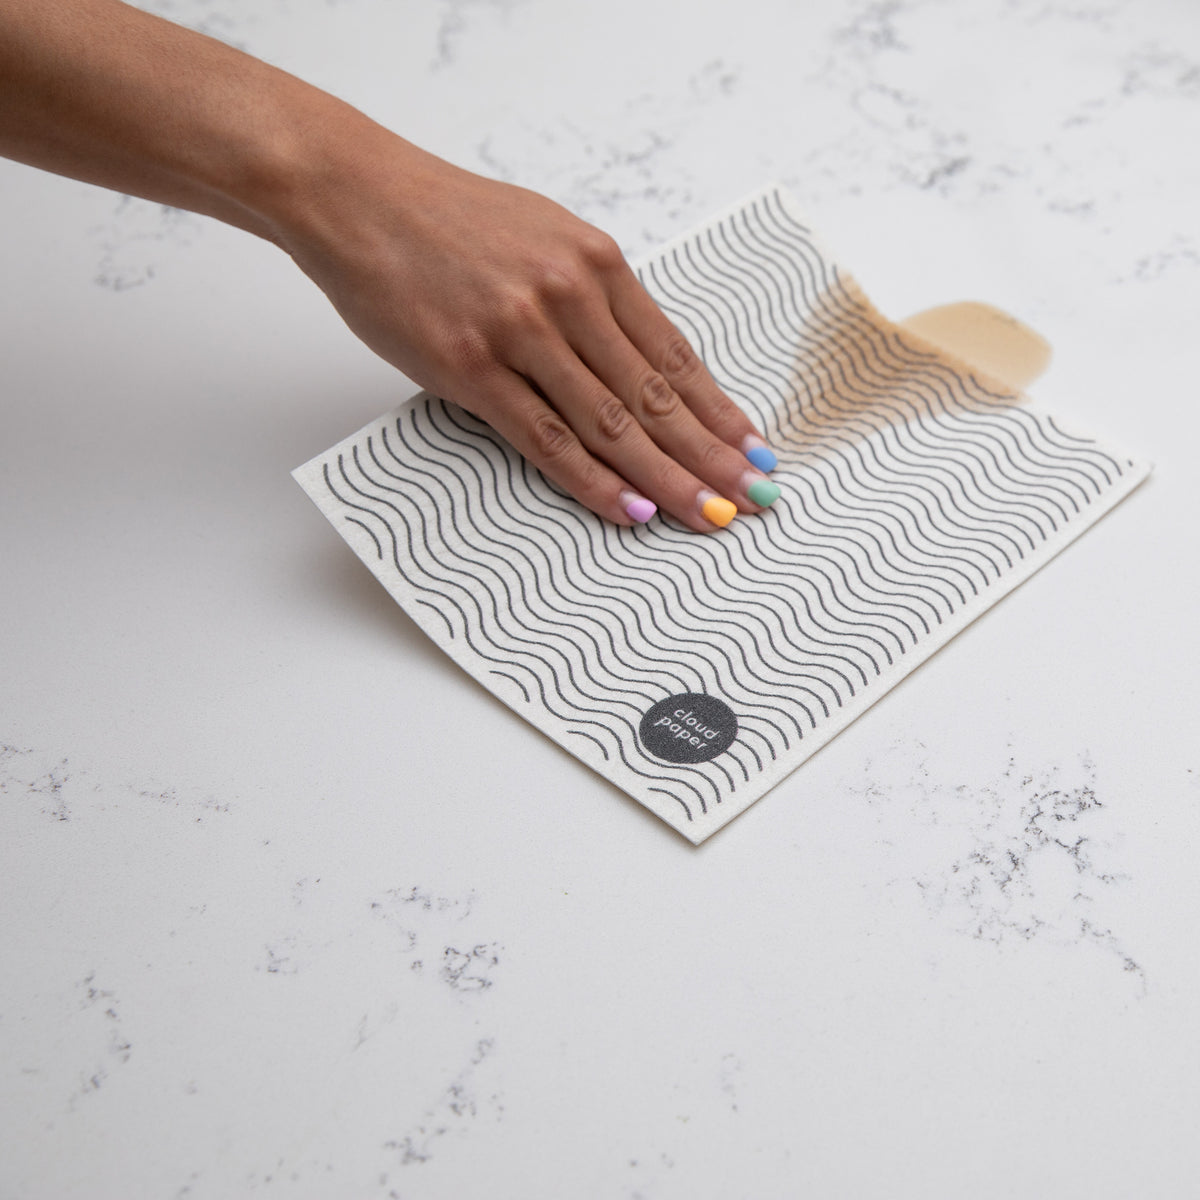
[(638, 508)]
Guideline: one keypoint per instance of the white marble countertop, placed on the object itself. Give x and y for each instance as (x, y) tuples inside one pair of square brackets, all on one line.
[(291, 906)]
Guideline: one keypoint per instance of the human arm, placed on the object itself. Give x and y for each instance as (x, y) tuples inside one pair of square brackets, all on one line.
[(487, 294)]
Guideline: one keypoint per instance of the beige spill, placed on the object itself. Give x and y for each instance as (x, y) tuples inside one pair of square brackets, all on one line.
[(986, 338)]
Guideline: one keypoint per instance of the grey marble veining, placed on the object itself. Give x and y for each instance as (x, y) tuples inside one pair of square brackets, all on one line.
[(291, 908), (1028, 854)]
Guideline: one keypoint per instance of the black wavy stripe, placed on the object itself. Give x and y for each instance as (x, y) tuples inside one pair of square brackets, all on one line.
[(889, 500), (911, 489), (511, 614), (934, 373), (842, 366), (931, 394), (835, 417), (650, 642)]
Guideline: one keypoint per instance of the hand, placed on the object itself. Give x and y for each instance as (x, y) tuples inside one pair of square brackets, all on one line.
[(502, 301)]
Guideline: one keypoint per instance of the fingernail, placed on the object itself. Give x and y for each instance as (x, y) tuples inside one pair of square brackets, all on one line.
[(638, 508), (716, 509), (759, 453), (763, 492)]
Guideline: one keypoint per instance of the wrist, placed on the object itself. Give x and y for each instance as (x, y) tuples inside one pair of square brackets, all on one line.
[(311, 159)]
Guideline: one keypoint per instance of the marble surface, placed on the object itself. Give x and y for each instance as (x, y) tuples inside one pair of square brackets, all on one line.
[(292, 907)]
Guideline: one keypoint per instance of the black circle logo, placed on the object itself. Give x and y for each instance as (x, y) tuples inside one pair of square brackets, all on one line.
[(689, 728)]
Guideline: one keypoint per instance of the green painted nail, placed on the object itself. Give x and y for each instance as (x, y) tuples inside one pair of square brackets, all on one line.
[(763, 492)]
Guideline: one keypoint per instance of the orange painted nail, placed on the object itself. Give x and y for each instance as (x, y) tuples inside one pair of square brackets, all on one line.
[(716, 509)]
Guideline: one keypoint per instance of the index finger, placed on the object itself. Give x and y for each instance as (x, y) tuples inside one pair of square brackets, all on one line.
[(666, 349)]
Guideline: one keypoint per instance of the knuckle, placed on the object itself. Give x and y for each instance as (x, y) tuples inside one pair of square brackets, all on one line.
[(601, 250), (470, 352), (588, 480), (679, 360), (559, 281), (713, 457), (551, 440), (612, 419), (658, 398), (518, 309)]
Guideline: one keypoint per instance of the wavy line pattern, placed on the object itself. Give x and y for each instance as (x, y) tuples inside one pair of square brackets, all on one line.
[(914, 497)]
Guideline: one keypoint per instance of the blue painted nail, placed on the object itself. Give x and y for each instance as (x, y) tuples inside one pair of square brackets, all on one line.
[(762, 457)]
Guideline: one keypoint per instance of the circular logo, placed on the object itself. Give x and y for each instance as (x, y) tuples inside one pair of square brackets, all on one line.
[(690, 728)]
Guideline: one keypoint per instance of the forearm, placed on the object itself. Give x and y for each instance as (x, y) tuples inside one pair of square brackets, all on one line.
[(107, 93)]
